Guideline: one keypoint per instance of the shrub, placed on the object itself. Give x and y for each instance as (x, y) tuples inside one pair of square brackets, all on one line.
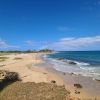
[(11, 76)]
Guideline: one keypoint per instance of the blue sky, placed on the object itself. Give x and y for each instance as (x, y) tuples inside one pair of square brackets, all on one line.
[(54, 24)]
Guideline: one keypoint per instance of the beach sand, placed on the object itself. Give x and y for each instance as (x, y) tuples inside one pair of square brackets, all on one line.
[(26, 65)]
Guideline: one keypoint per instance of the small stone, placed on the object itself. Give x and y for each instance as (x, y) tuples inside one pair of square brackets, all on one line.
[(78, 85), (53, 81)]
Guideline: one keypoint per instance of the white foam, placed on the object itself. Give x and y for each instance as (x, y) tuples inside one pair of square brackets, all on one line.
[(78, 63), (82, 63), (79, 68)]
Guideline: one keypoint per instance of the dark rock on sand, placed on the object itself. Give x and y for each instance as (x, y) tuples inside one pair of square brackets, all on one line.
[(78, 85), (72, 62), (53, 81)]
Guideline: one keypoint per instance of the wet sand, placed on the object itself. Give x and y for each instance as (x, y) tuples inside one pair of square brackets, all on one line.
[(90, 88)]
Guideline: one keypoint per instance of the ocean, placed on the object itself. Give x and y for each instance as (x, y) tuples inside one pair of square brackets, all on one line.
[(86, 63)]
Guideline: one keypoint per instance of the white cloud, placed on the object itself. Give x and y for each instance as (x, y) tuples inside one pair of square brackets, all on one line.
[(67, 43), (72, 43), (30, 43), (67, 39), (3, 45)]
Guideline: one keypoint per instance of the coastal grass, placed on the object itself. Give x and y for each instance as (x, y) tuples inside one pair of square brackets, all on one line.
[(34, 91), (4, 53), (17, 58), (11, 88), (3, 58)]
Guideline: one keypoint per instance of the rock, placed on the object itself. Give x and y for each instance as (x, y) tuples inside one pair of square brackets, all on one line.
[(53, 81), (72, 62), (77, 92), (78, 85), (60, 58), (64, 73)]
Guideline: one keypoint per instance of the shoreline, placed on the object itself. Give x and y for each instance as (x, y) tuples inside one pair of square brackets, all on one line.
[(33, 68), (90, 88), (75, 67)]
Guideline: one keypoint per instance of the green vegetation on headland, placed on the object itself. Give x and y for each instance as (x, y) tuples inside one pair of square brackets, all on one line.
[(45, 50), (27, 51), (11, 88)]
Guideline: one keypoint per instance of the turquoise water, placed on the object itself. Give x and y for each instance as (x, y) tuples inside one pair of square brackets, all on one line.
[(87, 62), (91, 57)]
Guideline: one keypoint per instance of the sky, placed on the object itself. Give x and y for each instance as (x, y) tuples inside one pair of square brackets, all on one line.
[(54, 24)]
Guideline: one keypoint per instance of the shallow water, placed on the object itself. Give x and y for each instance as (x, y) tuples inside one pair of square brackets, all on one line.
[(87, 63)]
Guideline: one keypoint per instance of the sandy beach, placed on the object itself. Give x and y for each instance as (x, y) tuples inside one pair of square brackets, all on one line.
[(26, 65)]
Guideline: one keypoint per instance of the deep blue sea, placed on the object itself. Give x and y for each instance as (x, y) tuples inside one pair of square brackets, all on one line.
[(87, 63)]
